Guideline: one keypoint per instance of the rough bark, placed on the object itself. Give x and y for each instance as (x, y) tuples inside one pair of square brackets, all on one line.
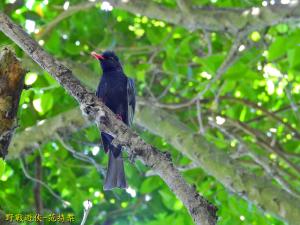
[(201, 211), (232, 20), (31, 138), (11, 85), (215, 19), (259, 190)]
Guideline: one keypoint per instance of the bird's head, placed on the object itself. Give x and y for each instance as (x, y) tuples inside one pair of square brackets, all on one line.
[(108, 60)]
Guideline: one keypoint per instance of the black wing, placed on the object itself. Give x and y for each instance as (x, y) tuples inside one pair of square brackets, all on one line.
[(130, 100), (102, 89)]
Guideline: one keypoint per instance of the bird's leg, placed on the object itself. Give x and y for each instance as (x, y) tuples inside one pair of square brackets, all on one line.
[(131, 157), (119, 117), (101, 99)]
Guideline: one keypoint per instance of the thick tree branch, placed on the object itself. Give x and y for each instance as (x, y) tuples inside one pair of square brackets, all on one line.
[(31, 138), (201, 211), (217, 163), (215, 19), (209, 19), (11, 85)]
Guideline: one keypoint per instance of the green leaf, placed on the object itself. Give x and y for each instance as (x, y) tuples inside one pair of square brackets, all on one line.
[(151, 34), (294, 58), (277, 48), (2, 166), (210, 64), (44, 103), (150, 184), (240, 71)]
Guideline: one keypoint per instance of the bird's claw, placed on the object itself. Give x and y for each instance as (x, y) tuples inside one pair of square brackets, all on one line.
[(119, 117), (132, 157)]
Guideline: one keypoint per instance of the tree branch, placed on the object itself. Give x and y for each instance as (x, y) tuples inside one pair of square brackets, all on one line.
[(67, 122), (37, 188), (265, 111), (200, 210), (260, 160), (209, 19), (42, 183), (259, 190), (264, 142), (65, 14), (11, 86), (282, 109)]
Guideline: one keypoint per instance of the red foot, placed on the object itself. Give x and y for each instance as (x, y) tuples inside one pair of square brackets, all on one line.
[(119, 117), (101, 99)]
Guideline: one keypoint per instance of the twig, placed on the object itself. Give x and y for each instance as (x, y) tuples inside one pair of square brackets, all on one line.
[(209, 44), (260, 140), (294, 106), (65, 14), (37, 189), (86, 210), (199, 117), (217, 95), (165, 91), (65, 203), (229, 60), (282, 109), (81, 156), (265, 111), (263, 162)]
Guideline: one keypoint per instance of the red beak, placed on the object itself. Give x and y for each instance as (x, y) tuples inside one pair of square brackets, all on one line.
[(97, 56)]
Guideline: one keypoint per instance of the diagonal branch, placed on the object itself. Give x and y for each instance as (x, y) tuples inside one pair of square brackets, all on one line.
[(231, 20), (257, 189), (200, 210), (265, 111), (260, 160), (264, 142)]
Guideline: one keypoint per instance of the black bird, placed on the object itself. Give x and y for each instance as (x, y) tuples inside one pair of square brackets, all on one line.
[(117, 92)]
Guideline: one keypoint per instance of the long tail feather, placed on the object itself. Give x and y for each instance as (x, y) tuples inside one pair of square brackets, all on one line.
[(115, 177)]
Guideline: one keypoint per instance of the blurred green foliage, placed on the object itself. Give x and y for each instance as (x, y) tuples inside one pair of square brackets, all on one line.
[(173, 64)]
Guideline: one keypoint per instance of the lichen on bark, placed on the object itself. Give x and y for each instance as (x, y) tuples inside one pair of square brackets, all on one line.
[(11, 85)]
